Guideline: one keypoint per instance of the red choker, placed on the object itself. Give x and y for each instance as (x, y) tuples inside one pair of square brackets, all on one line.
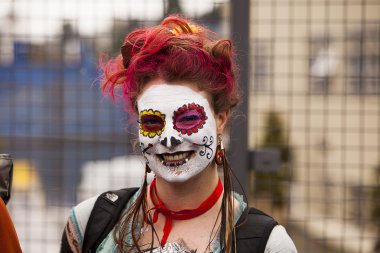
[(182, 214)]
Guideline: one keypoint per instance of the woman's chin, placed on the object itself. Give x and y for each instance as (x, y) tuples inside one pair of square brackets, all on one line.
[(177, 176)]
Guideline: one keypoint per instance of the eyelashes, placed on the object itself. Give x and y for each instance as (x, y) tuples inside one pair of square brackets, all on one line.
[(187, 119)]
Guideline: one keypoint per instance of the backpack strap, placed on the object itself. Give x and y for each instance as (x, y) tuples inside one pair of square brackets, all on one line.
[(104, 216), (253, 231)]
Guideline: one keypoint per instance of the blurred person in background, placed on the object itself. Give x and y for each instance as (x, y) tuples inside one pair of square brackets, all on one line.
[(179, 78), (9, 242)]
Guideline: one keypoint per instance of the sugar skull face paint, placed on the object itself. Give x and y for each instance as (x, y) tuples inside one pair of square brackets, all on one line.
[(177, 131)]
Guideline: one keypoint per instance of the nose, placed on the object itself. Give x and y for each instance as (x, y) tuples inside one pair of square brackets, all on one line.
[(172, 142)]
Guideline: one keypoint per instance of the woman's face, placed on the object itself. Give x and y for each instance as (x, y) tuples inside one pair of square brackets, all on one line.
[(178, 130)]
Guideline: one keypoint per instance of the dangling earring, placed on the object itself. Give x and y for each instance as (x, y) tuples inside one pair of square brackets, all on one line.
[(219, 156)]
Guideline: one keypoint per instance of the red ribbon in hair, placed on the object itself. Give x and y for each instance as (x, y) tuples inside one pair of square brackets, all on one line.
[(182, 214)]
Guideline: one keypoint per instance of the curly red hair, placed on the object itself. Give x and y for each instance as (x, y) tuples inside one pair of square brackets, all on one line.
[(175, 50)]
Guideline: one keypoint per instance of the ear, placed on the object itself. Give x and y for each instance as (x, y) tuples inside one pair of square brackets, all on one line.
[(221, 121)]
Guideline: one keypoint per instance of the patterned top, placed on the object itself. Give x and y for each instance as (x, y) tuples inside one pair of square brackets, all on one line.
[(279, 240), (172, 247)]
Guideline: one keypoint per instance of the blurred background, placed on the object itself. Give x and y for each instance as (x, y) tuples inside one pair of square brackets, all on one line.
[(309, 125)]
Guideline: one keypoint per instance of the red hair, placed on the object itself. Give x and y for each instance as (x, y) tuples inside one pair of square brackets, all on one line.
[(175, 50)]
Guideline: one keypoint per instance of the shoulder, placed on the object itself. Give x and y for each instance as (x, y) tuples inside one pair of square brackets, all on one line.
[(280, 241), (72, 237), (81, 212), (254, 223), (78, 218), (259, 232), (252, 230)]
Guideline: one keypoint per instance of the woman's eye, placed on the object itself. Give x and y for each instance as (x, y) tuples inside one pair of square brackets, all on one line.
[(188, 120), (152, 123)]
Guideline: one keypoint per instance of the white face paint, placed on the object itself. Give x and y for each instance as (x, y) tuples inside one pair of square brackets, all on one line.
[(177, 131)]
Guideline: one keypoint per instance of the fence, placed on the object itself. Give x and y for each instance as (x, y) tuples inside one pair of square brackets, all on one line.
[(313, 112), (315, 95)]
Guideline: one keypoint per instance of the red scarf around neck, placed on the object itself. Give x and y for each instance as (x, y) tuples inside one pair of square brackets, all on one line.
[(182, 214)]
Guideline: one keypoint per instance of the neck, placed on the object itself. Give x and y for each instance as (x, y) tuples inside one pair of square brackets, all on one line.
[(189, 194)]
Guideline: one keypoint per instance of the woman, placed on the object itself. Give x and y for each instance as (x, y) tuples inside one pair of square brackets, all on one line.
[(179, 78)]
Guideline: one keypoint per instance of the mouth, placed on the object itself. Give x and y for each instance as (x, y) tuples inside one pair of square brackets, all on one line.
[(175, 159)]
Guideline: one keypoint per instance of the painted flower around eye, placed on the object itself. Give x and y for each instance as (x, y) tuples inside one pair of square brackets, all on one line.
[(151, 123), (189, 118)]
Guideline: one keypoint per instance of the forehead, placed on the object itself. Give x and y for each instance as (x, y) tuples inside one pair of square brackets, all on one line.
[(170, 96)]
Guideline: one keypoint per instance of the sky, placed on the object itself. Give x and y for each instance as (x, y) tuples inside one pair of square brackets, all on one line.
[(37, 20)]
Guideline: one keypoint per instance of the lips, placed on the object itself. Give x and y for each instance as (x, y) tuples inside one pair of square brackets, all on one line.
[(175, 159)]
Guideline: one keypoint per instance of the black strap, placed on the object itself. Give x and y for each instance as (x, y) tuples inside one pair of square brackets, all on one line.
[(104, 216), (253, 231)]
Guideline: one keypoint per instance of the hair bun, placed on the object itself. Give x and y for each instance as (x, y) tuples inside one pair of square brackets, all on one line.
[(222, 50), (126, 54)]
